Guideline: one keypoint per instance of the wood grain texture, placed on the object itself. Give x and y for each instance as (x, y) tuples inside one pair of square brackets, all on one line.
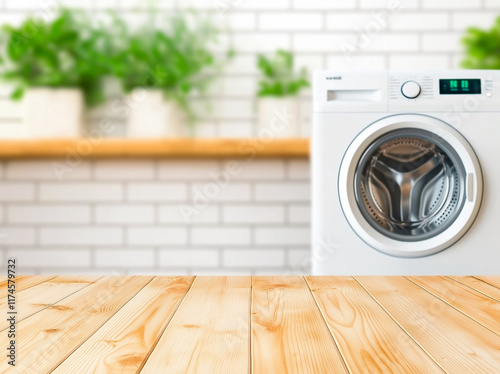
[(260, 325), (23, 282), (369, 339), (161, 148), (51, 335), (289, 334), (457, 343), (493, 280), (209, 333), (123, 343), (473, 304), (40, 296), (479, 285)]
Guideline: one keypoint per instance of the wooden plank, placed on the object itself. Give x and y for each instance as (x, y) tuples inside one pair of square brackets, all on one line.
[(493, 280), (479, 285), (457, 343), (23, 282), (369, 339), (125, 341), (473, 304), (41, 296), (45, 339), (175, 148), (289, 334), (209, 333)]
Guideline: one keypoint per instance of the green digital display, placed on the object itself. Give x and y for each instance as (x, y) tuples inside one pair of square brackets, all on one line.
[(459, 86)]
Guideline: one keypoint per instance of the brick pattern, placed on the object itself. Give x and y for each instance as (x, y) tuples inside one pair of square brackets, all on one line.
[(181, 217), (165, 217)]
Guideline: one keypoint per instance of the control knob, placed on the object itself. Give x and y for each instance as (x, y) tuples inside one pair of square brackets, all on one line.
[(410, 89)]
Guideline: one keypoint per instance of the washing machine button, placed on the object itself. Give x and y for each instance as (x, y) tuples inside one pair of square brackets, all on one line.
[(410, 89)]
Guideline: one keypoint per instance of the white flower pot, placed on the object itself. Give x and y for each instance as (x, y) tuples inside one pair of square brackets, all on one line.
[(153, 116), (53, 112), (278, 117)]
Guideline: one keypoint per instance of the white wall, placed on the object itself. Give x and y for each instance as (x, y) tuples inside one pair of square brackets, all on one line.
[(124, 215), (128, 216)]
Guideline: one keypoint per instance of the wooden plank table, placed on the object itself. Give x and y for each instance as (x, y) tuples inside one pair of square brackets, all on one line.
[(254, 324)]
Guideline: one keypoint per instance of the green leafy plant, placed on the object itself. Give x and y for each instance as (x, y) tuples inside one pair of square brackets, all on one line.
[(64, 53), (482, 47), (175, 58), (279, 78)]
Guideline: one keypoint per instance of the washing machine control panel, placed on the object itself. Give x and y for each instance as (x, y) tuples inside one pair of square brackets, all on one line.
[(407, 91), (411, 87), (476, 90)]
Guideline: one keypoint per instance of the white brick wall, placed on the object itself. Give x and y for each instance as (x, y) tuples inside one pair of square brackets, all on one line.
[(256, 220), (283, 191), (80, 235), (182, 258), (259, 258), (254, 213), (17, 192), (221, 236), (155, 191), (179, 216), (47, 214), (44, 170), (51, 258), (124, 258), (84, 191), (278, 235), (125, 214), (124, 170), (156, 235), (173, 214)]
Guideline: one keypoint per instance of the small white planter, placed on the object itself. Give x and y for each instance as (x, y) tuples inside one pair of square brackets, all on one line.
[(278, 117), (53, 112), (153, 116)]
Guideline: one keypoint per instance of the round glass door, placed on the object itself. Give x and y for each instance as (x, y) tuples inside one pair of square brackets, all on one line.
[(410, 185)]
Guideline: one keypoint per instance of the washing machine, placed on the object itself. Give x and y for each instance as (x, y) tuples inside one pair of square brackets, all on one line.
[(406, 173)]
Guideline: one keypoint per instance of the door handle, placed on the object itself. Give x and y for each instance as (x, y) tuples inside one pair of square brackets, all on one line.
[(470, 187)]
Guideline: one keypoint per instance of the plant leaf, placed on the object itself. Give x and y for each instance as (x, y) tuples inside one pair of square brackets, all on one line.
[(278, 76), (17, 94)]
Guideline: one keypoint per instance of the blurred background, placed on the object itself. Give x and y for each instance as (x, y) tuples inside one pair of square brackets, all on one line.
[(190, 69)]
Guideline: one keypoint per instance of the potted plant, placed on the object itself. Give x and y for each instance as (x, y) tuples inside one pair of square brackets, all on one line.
[(56, 69), (482, 47), (278, 105), (160, 70)]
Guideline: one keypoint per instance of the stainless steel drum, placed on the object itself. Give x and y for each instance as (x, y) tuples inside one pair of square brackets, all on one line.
[(410, 184)]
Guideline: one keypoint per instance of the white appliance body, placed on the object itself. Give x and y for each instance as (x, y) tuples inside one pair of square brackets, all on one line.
[(406, 173)]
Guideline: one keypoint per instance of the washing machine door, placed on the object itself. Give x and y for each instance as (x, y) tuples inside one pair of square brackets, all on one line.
[(410, 185)]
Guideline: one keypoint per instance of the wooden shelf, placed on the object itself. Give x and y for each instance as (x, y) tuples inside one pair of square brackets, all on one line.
[(155, 148)]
